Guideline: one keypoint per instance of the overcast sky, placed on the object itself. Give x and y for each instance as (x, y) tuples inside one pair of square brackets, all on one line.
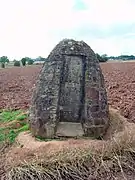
[(33, 27)]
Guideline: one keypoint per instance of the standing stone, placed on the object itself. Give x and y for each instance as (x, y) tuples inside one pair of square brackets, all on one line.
[(70, 97)]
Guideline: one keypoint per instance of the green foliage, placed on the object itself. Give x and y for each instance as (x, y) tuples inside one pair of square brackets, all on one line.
[(11, 136), (2, 65), (123, 57), (30, 61), (21, 117), (40, 58), (3, 134), (17, 63), (24, 60), (4, 59), (7, 116), (8, 133), (23, 128), (102, 58)]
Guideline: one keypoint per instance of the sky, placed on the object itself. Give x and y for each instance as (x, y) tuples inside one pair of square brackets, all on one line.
[(33, 27)]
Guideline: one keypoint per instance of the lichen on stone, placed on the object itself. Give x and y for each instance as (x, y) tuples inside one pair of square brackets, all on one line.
[(70, 89)]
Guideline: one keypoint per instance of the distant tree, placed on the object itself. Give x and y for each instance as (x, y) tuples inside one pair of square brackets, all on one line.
[(102, 58), (112, 57), (98, 57), (30, 61), (122, 57), (104, 55), (17, 63), (2, 65), (41, 58), (126, 57), (27, 60), (24, 60), (4, 59)]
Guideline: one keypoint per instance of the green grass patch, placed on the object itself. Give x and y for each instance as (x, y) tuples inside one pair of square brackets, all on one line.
[(8, 135), (23, 128), (21, 117), (8, 132), (3, 134), (13, 133), (7, 116)]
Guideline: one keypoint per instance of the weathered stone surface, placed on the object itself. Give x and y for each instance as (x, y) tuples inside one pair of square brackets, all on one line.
[(70, 89), (69, 129)]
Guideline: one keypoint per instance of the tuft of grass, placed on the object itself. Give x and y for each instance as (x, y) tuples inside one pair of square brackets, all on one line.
[(21, 117), (23, 128), (2, 134), (9, 135), (11, 124), (7, 116)]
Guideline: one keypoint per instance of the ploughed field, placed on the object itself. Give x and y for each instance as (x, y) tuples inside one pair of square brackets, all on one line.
[(16, 86)]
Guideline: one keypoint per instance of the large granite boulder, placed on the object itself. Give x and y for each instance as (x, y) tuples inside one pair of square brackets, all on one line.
[(70, 97)]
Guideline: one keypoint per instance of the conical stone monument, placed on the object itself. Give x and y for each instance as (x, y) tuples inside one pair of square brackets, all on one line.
[(70, 98)]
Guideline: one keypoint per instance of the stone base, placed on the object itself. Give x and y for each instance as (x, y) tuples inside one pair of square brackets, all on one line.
[(69, 129), (97, 131)]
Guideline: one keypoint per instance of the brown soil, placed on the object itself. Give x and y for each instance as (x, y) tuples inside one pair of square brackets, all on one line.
[(16, 86), (120, 84)]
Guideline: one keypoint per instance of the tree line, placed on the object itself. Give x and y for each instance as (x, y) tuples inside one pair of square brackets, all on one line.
[(104, 57), (26, 60), (123, 57)]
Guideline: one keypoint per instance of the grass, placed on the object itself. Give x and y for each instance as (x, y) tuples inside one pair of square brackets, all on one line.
[(11, 124), (7, 116)]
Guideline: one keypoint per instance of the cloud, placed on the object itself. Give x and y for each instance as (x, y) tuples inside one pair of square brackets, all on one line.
[(34, 27)]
